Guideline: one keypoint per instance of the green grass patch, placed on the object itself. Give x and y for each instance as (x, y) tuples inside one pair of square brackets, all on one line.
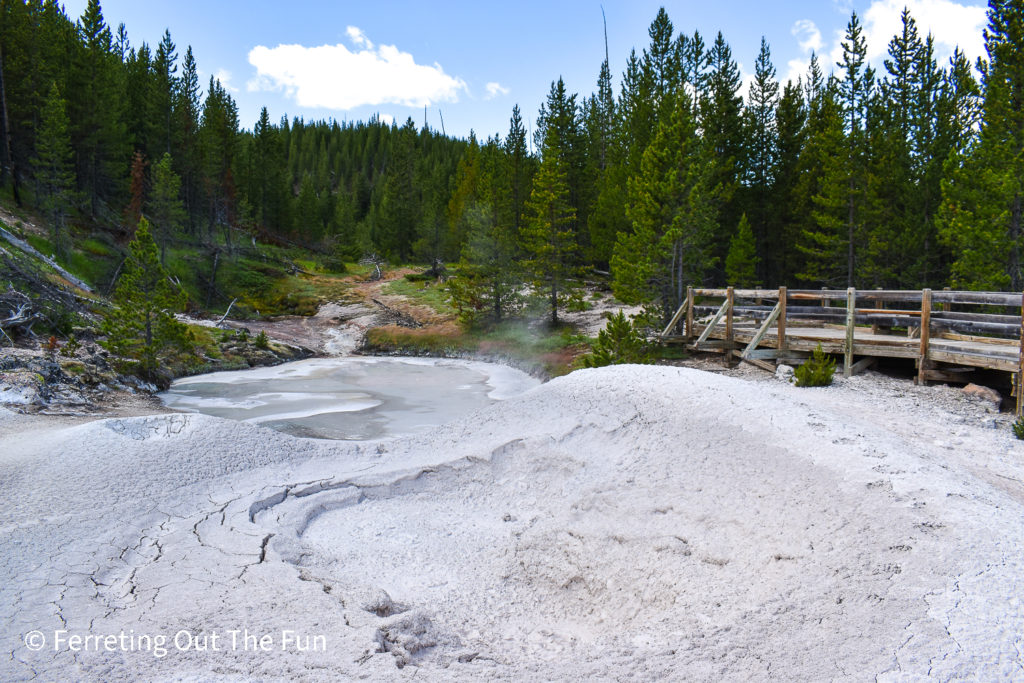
[(425, 293)]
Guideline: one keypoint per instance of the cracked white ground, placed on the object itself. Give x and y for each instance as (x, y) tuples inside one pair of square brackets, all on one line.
[(634, 523)]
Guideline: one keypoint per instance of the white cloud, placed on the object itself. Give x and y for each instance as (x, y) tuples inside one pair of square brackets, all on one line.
[(494, 89), (333, 77), (844, 7), (224, 76), (951, 23), (807, 34), (358, 38), (386, 119), (796, 69), (808, 37)]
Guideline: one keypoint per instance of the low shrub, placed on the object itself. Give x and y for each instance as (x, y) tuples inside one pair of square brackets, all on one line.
[(622, 341), (817, 371), (1018, 427)]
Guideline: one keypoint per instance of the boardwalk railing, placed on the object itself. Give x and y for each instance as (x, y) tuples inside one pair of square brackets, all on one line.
[(948, 333)]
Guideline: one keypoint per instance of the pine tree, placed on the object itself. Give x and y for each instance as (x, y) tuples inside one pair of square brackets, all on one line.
[(722, 126), (307, 212), (790, 117), (399, 204), (142, 326), (489, 267), (519, 167), (54, 170), (621, 341), (982, 215), (218, 142), (854, 91), (186, 123), (165, 204), (165, 69), (661, 65), (761, 157), (823, 194), (96, 109), (548, 236), (560, 131), (266, 181), (741, 261), (673, 210), (466, 191)]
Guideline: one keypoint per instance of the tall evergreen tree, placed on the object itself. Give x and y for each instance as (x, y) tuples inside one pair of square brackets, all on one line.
[(548, 236), (186, 104), (821, 193), (98, 132), (165, 204), (762, 142), (519, 168), (790, 119), (466, 192), (983, 199), (673, 209), (142, 326), (399, 204), (741, 261), (722, 127), (165, 69), (560, 131), (218, 142), (54, 170), (854, 91)]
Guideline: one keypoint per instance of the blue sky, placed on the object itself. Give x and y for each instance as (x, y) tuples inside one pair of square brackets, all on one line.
[(473, 61)]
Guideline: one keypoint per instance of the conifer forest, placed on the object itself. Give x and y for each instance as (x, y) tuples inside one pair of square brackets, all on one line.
[(908, 176)]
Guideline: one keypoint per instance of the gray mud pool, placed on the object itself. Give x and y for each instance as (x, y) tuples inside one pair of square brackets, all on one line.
[(358, 398)]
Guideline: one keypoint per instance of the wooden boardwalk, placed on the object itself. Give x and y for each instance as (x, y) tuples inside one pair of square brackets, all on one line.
[(768, 327)]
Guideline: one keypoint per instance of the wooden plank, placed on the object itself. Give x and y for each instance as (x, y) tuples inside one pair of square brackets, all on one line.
[(738, 293), (764, 354), (1020, 363), (851, 320), (883, 351), (975, 360), (926, 319), (1008, 299), (713, 345), (966, 326), (759, 335), (959, 375), (977, 317), (730, 299), (714, 321), (863, 364), (817, 294), (893, 295), (781, 333), (760, 364), (689, 311), (675, 319)]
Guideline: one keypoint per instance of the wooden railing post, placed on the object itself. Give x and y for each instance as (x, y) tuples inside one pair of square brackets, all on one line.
[(689, 312), (781, 325), (730, 298), (926, 324), (851, 319), (1020, 364)]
